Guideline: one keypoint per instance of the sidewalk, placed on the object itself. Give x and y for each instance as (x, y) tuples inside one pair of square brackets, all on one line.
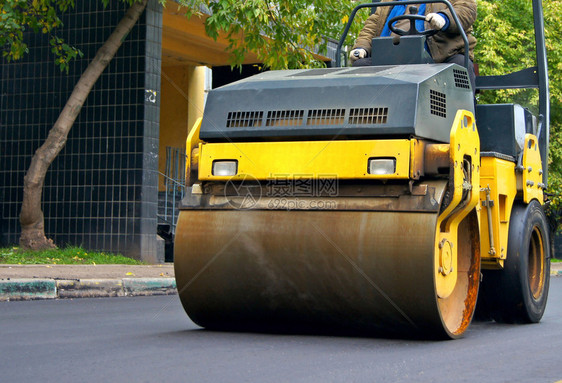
[(23, 282)]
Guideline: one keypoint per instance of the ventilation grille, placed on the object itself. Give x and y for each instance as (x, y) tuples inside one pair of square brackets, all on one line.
[(326, 117), (243, 119), (461, 79), (368, 116), (284, 118), (314, 117), (438, 103)]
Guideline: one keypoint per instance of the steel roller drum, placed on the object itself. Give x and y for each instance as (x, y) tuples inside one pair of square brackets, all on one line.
[(362, 271)]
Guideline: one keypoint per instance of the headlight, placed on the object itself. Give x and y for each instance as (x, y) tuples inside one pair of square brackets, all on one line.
[(382, 166), (225, 168)]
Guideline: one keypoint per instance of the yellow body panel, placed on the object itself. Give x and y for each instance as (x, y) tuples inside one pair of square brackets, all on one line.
[(499, 176), (417, 151), (313, 159), (464, 156), (192, 152), (532, 170), (500, 181)]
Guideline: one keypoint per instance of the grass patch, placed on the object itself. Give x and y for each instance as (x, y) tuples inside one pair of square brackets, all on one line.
[(555, 260), (67, 256)]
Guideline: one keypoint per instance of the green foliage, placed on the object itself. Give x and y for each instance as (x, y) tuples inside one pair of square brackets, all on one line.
[(41, 16), (71, 255), (284, 34), (554, 210), (506, 44)]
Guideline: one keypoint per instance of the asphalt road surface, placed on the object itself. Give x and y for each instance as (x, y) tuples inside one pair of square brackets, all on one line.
[(150, 339)]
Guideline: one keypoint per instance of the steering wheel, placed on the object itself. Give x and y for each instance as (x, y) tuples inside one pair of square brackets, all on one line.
[(413, 16)]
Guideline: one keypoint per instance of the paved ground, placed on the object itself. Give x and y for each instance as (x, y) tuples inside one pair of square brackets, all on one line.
[(150, 339), (86, 271)]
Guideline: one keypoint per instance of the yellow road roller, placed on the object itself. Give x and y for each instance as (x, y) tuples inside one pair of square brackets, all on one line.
[(374, 200)]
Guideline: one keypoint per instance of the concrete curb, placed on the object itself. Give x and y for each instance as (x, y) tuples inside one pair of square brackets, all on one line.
[(86, 288), (149, 286), (28, 289), (21, 289)]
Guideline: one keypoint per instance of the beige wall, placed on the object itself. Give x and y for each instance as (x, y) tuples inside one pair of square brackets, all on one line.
[(181, 103)]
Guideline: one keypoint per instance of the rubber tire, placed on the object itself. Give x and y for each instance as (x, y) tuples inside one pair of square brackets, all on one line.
[(505, 295)]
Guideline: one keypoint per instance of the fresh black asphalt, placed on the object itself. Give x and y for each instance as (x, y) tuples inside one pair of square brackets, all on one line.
[(150, 339)]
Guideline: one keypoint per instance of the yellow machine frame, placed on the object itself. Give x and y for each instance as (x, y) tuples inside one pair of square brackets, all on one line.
[(501, 182)]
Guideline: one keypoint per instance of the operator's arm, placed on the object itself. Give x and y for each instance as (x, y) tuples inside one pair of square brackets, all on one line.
[(466, 12), (368, 32)]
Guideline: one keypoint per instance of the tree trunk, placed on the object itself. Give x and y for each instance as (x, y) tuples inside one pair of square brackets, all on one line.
[(31, 216)]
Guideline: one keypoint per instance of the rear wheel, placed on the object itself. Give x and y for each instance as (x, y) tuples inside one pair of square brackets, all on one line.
[(518, 293)]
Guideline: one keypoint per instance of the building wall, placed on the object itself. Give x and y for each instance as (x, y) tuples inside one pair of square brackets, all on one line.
[(183, 94), (101, 191), (173, 111)]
